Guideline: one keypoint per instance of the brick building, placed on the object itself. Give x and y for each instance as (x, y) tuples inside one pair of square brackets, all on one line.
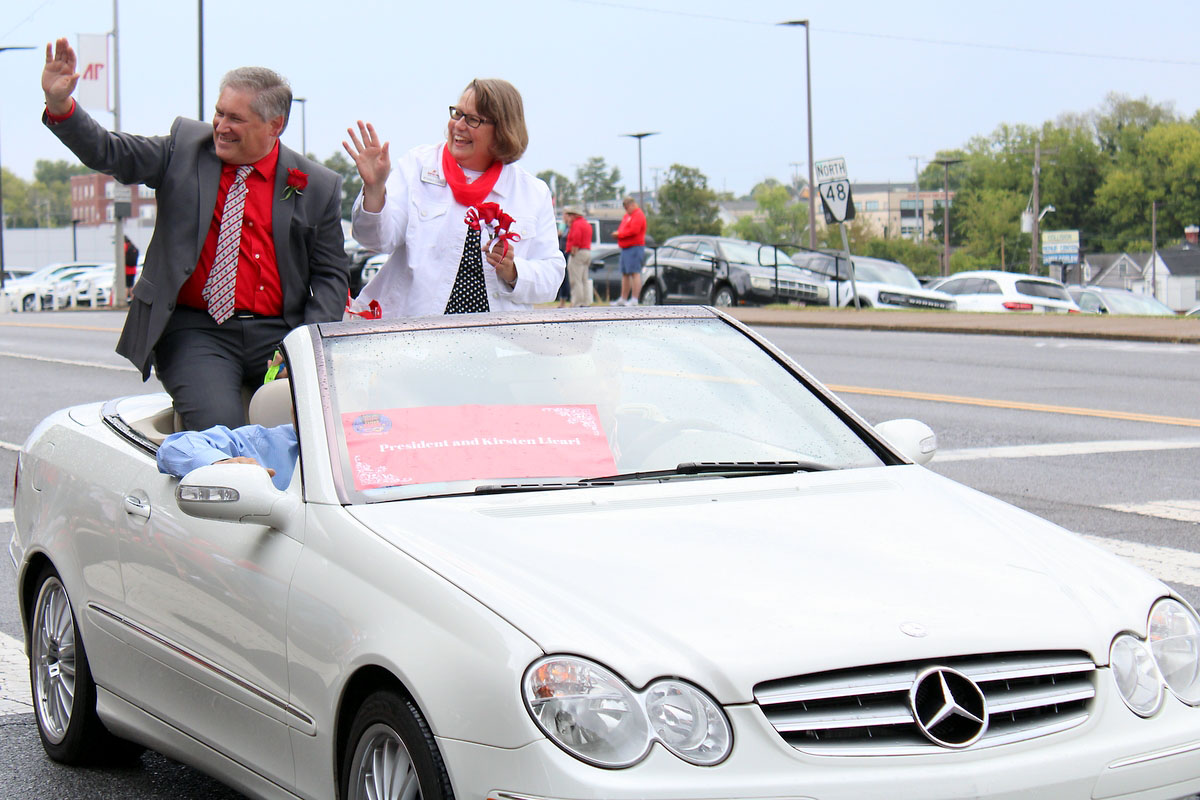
[(92, 200)]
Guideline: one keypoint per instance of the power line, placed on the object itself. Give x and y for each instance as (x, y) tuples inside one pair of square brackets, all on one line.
[(898, 38)]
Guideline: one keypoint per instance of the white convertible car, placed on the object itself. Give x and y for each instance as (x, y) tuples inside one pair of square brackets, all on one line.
[(604, 553)]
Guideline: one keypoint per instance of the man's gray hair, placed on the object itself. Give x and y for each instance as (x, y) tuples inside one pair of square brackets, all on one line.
[(272, 94)]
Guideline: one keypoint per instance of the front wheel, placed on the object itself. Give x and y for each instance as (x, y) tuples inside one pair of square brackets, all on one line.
[(64, 694), (391, 753), (723, 296), (27, 303), (649, 296)]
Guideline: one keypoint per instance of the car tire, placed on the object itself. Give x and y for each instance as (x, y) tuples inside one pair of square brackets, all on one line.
[(27, 303), (389, 733), (723, 296), (649, 295), (64, 694)]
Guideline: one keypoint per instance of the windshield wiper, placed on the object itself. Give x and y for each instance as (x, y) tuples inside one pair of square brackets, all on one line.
[(736, 468), (505, 488)]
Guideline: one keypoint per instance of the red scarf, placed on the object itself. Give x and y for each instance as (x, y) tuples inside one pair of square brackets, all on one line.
[(468, 194)]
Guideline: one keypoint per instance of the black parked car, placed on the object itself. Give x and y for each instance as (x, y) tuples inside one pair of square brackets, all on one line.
[(714, 270)]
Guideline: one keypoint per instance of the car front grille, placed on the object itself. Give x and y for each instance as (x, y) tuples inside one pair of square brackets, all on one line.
[(866, 711), (798, 290), (912, 301)]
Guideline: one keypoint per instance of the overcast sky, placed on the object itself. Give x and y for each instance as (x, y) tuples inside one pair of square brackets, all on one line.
[(720, 81)]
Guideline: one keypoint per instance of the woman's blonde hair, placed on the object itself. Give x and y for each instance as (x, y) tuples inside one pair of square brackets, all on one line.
[(499, 101)]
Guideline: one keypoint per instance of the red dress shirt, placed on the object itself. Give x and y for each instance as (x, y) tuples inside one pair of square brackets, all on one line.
[(580, 235), (258, 286)]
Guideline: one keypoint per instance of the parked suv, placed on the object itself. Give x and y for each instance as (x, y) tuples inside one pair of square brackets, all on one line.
[(880, 283), (993, 290), (725, 272)]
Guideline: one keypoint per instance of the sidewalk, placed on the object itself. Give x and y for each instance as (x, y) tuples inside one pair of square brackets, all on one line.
[(1177, 330)]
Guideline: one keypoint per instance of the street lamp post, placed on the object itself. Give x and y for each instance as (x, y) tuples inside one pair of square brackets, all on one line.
[(303, 101), (3, 49), (639, 137), (812, 188)]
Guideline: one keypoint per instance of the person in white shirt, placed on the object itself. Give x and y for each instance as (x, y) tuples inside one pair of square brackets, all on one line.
[(466, 228)]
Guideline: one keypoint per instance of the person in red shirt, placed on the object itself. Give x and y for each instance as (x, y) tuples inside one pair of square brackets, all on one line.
[(631, 238), (579, 255)]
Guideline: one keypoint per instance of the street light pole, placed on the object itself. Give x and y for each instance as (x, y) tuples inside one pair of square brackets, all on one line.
[(303, 101), (639, 137), (3, 49), (812, 188)]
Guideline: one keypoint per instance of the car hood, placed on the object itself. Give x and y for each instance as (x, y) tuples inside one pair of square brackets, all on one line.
[(728, 582), (876, 286)]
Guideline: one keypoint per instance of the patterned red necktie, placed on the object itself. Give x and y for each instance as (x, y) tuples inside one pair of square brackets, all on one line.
[(222, 278)]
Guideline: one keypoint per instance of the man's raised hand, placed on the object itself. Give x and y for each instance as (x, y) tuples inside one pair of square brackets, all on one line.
[(59, 77)]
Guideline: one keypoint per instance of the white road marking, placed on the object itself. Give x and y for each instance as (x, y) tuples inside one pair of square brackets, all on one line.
[(1180, 510), (1119, 346), (70, 362), (1165, 563), (5, 515), (15, 696), (1064, 449)]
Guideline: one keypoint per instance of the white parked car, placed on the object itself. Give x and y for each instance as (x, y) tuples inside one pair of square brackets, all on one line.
[(880, 283), (35, 291), (1110, 300), (372, 266), (593, 553), (67, 287), (994, 290)]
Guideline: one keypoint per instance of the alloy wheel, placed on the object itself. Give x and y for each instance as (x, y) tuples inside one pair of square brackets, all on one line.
[(53, 657)]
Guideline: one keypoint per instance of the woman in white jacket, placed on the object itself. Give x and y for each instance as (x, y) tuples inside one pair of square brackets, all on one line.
[(466, 228)]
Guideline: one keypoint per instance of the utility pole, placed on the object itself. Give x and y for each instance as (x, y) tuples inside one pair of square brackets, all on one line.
[(946, 162), (1154, 249), (1035, 246), (917, 198)]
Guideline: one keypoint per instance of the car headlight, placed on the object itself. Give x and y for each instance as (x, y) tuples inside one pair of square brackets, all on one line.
[(1174, 637), (596, 717), (688, 722), (766, 284), (1136, 675)]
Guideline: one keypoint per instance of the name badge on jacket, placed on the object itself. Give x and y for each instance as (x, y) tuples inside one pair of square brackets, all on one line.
[(432, 175)]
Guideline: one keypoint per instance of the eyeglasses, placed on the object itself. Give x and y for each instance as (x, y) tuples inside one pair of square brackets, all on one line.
[(472, 120)]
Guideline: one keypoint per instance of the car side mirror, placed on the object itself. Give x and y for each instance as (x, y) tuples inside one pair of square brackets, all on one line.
[(235, 493), (915, 440)]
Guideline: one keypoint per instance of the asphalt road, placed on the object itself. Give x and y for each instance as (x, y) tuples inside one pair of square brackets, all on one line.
[(1100, 436)]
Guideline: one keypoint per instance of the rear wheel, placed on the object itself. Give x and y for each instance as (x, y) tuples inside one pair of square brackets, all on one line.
[(64, 695), (27, 303), (723, 296), (391, 753)]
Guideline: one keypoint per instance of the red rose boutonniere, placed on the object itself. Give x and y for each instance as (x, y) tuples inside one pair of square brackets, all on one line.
[(297, 182)]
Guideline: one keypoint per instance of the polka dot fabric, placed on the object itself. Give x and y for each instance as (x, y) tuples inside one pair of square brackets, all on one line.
[(469, 294)]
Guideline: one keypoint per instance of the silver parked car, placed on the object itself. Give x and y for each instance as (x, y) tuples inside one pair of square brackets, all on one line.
[(1109, 300)]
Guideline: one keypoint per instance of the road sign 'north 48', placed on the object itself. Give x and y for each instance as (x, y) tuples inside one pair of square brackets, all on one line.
[(837, 200)]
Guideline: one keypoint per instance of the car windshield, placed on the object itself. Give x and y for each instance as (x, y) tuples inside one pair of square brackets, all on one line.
[(883, 272), (434, 412), (1120, 303), (748, 253), (1051, 291)]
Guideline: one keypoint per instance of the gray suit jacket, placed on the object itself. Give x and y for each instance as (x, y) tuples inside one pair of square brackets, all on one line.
[(184, 170)]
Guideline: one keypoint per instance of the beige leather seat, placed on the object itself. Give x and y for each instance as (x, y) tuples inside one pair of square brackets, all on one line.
[(271, 404)]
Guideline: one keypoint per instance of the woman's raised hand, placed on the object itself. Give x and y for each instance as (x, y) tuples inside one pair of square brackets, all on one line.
[(369, 154)]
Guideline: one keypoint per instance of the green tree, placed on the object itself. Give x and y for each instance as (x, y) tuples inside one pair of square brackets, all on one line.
[(351, 182), (685, 205), (597, 182), (47, 201), (777, 220), (16, 202), (923, 259), (561, 188), (1123, 121)]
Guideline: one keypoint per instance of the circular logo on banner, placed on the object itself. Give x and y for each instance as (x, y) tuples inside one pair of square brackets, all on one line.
[(372, 424)]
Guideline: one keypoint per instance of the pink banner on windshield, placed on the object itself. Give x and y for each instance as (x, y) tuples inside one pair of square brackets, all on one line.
[(401, 446)]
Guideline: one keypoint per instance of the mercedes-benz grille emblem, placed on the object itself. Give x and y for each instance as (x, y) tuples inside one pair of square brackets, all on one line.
[(949, 707)]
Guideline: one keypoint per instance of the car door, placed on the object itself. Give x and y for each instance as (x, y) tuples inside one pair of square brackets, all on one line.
[(204, 617), (690, 278)]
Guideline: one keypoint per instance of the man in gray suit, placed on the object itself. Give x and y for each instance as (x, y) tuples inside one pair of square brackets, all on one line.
[(248, 243)]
